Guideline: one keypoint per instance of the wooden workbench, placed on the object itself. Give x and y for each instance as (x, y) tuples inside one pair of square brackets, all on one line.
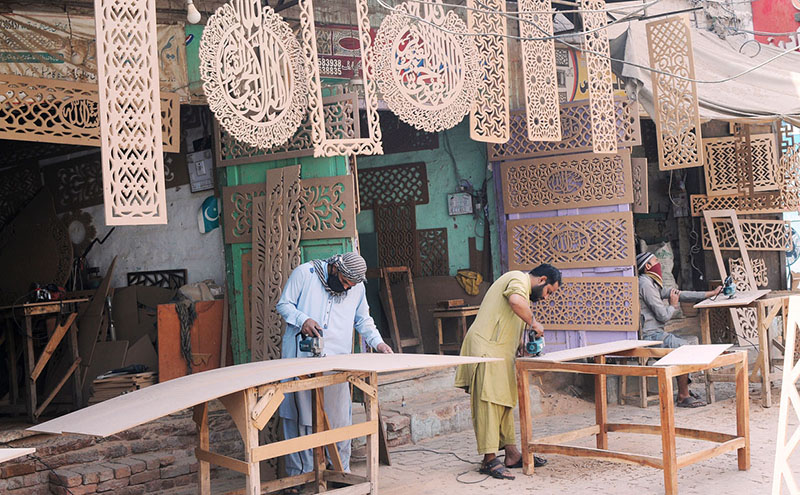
[(669, 461)]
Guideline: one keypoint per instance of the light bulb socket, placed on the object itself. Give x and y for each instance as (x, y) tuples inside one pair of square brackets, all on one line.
[(192, 14)]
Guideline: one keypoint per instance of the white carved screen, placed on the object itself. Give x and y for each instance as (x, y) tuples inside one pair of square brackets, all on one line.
[(598, 65)]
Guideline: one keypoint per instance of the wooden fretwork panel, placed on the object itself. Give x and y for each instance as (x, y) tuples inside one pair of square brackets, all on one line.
[(591, 303), (605, 239), (395, 184), (598, 65), (759, 235), (723, 171), (784, 471), (574, 181), (676, 113), (641, 198)]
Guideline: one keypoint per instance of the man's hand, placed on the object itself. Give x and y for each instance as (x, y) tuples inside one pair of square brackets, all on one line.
[(311, 327), (382, 347), (538, 328), (714, 292), (674, 295)]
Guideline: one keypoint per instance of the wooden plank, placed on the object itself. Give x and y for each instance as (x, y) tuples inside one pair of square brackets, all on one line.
[(221, 460), (72, 369), (341, 477), (590, 368), (277, 485), (9, 454), (373, 461), (601, 405), (591, 351), (90, 319), (790, 403), (743, 298), (702, 455), (608, 455), (52, 344), (743, 413), (200, 417), (692, 354), (525, 427), (569, 436), (305, 442), (668, 449), (708, 436)]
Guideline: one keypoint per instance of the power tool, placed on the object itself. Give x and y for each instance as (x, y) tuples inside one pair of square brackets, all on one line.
[(728, 287), (314, 345), (535, 345)]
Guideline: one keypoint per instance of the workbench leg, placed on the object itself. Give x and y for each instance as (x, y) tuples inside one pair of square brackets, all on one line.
[(763, 360), (642, 385), (601, 405), (438, 322), (11, 345), (705, 335), (30, 383), (373, 440), (525, 427), (462, 330), (250, 437), (204, 468), (669, 452), (743, 413), (317, 420), (77, 388)]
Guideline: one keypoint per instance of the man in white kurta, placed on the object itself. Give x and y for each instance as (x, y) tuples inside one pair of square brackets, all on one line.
[(324, 297)]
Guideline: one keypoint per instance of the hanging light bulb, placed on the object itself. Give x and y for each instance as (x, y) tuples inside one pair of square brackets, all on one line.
[(192, 14)]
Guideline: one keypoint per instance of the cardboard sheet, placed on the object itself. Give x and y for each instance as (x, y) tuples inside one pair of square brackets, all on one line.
[(692, 354), (8, 454)]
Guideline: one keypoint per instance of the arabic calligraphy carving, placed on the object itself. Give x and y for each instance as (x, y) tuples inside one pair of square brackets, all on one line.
[(428, 77), (253, 73)]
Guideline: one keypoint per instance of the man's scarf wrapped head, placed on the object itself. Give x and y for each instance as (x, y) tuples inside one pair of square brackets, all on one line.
[(351, 265)]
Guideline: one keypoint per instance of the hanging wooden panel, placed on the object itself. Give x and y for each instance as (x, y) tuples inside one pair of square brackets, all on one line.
[(488, 117), (428, 70), (598, 66), (641, 197), (396, 229), (395, 184), (55, 111), (759, 235), (787, 138), (605, 239), (130, 113), (237, 208), (254, 76), (591, 303), (433, 252), (168, 279), (769, 202), (575, 181), (576, 129), (746, 177), (335, 144), (722, 169), (676, 114), (539, 71), (785, 470), (760, 274), (327, 207), (247, 284)]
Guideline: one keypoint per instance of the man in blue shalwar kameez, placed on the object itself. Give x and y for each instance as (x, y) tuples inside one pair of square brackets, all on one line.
[(327, 297)]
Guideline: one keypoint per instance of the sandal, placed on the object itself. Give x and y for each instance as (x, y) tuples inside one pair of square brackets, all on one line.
[(537, 462), (691, 402), (496, 469)]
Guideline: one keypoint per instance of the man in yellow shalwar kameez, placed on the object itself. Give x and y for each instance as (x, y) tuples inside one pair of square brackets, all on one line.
[(497, 332)]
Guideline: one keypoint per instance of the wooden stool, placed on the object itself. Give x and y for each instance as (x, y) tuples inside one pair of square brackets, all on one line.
[(461, 314)]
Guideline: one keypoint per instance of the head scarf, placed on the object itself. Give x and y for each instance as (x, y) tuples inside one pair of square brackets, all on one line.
[(351, 265)]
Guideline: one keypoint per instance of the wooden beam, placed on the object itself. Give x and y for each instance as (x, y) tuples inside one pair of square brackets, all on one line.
[(688, 459), (277, 449), (569, 436), (221, 460), (590, 351), (57, 388), (609, 455), (200, 417), (669, 463), (609, 369), (363, 386), (277, 485), (52, 344), (333, 451), (265, 409), (709, 436), (342, 477)]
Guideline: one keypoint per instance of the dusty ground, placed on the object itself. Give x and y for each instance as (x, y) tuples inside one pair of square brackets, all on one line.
[(420, 473)]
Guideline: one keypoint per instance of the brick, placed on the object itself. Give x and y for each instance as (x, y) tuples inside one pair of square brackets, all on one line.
[(75, 490), (152, 461), (114, 484), (69, 444), (90, 474), (13, 483), (31, 490), (144, 477), (65, 477), (159, 485), (144, 446), (35, 479), (136, 465), (166, 460), (11, 470), (132, 490), (104, 473), (175, 471), (120, 470)]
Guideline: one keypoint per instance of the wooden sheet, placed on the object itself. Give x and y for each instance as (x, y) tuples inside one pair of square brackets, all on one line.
[(739, 299), (692, 354), (136, 408), (8, 454), (595, 350)]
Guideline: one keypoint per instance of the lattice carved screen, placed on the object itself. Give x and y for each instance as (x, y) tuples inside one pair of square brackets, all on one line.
[(130, 112), (539, 71), (566, 182), (488, 117), (396, 229), (598, 66), (18, 186), (576, 129), (784, 469), (591, 303), (395, 184), (676, 113), (759, 235), (723, 172), (55, 111), (433, 252), (605, 239), (168, 279), (760, 273), (641, 198)]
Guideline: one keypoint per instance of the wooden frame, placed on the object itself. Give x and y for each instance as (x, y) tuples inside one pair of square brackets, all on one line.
[(758, 235), (462, 314), (387, 301), (574, 241), (592, 303), (723, 168), (791, 374), (669, 461)]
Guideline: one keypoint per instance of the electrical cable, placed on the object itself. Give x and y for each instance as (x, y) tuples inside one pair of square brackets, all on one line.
[(39, 460)]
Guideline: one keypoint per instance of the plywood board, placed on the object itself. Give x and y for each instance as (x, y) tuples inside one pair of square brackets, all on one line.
[(591, 303), (9, 454), (572, 181), (590, 351), (129, 410), (739, 299), (573, 241), (692, 354)]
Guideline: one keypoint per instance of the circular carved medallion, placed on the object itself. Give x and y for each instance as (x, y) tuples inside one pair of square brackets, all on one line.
[(253, 75), (428, 76)]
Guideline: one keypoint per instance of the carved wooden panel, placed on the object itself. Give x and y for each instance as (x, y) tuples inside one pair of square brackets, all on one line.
[(576, 129), (328, 207), (55, 111), (237, 208), (787, 136), (746, 177), (676, 114), (591, 303), (130, 113), (254, 76), (396, 229), (785, 470), (18, 186), (433, 252), (736, 266), (598, 66), (641, 197), (605, 239), (574, 181), (488, 117), (168, 279), (759, 235), (247, 289), (539, 71), (394, 184), (427, 69), (399, 137), (337, 144), (722, 169)]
